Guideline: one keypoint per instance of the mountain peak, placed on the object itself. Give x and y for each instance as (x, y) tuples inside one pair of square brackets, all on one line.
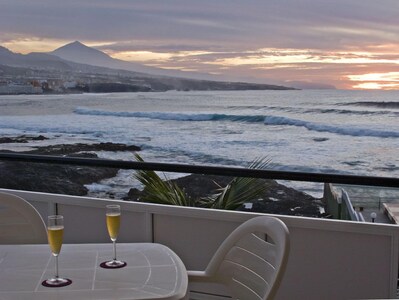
[(80, 53), (76, 45)]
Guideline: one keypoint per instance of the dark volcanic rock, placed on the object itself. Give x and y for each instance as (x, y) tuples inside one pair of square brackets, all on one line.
[(51, 178), (197, 186), (21, 139), (65, 149), (133, 195), (283, 200), (56, 178)]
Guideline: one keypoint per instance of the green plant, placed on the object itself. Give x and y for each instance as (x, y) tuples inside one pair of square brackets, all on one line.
[(232, 196), (160, 191), (239, 190)]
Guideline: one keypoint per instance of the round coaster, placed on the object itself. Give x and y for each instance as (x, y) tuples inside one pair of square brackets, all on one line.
[(63, 282), (106, 265)]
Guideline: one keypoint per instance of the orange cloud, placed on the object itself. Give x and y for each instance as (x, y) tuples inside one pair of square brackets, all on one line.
[(376, 81), (390, 76)]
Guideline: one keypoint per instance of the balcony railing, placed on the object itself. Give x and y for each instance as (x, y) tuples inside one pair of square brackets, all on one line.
[(208, 170), (351, 255)]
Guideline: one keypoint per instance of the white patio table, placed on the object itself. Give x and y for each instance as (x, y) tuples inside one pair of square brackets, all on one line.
[(153, 271)]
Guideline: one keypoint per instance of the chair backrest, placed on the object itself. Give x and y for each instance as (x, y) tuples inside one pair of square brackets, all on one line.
[(20, 222), (252, 259)]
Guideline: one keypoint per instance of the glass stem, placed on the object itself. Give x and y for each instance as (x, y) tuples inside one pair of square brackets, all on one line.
[(114, 242), (56, 266)]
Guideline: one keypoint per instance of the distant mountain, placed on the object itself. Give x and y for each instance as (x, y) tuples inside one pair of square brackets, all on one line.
[(97, 71), (305, 85), (32, 60), (71, 57), (48, 61), (80, 53)]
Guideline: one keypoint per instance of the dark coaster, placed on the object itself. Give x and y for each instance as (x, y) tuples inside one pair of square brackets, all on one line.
[(61, 284), (105, 266)]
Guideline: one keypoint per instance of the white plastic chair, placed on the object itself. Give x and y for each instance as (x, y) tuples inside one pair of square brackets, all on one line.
[(20, 222), (251, 262)]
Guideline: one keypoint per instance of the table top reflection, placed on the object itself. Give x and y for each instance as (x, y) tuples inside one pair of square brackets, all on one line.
[(153, 271)]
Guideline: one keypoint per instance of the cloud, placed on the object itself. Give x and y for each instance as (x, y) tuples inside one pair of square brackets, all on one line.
[(158, 47), (307, 40), (285, 23)]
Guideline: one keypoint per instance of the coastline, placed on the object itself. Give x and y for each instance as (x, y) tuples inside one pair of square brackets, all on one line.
[(71, 180)]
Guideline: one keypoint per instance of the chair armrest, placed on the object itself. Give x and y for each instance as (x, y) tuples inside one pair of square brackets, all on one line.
[(198, 276)]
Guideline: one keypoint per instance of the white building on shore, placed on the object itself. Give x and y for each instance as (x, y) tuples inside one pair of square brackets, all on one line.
[(12, 88)]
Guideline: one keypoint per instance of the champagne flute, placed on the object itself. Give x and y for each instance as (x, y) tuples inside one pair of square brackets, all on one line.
[(113, 215), (55, 233)]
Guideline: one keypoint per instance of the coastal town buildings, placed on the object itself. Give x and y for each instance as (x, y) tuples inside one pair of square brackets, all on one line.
[(13, 88)]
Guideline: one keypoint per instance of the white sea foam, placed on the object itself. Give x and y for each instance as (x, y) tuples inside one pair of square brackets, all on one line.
[(96, 187)]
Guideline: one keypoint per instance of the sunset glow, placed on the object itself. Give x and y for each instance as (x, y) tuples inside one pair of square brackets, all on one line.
[(292, 56), (274, 59), (27, 45), (376, 86), (390, 77), (141, 56), (377, 81), (346, 46), (149, 56)]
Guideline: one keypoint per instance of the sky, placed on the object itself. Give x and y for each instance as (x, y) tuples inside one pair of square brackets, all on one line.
[(349, 44)]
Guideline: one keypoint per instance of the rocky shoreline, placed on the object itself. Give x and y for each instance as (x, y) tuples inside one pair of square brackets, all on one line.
[(71, 180)]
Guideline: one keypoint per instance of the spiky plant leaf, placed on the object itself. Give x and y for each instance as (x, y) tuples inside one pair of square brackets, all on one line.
[(160, 191), (239, 190)]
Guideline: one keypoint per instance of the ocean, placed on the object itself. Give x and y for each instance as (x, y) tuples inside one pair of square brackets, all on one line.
[(330, 131)]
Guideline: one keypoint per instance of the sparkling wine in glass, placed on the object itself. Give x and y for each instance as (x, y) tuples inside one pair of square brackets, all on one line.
[(113, 216), (55, 233)]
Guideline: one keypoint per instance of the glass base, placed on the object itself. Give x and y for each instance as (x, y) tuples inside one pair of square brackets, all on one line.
[(113, 264), (56, 282)]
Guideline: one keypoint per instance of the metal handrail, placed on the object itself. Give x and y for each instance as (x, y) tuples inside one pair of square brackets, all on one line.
[(204, 169)]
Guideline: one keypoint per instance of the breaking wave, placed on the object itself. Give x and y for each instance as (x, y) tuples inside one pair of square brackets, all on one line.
[(379, 104), (342, 130), (266, 119), (173, 116)]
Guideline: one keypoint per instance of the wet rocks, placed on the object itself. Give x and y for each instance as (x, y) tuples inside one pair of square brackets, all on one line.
[(50, 178), (56, 178), (67, 149), (22, 139)]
